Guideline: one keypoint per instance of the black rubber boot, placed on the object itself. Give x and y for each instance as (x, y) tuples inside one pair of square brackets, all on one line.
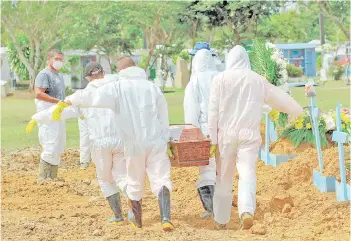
[(135, 214), (164, 201), (115, 204), (206, 197)]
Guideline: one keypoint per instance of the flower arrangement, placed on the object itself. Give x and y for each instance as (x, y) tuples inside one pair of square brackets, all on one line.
[(278, 118), (345, 119), (278, 57), (300, 131), (268, 61)]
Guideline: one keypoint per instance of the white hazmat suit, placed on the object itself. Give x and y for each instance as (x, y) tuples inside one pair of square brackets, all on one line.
[(52, 136), (84, 143), (84, 140), (235, 111), (102, 138), (142, 120), (196, 97)]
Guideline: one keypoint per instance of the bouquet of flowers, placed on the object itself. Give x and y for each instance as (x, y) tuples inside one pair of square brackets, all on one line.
[(345, 119), (268, 61), (278, 118), (300, 131)]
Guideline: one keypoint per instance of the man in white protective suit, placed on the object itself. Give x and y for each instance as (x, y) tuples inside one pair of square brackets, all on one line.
[(103, 141), (144, 129), (235, 110), (203, 45), (197, 93), (105, 145), (84, 140)]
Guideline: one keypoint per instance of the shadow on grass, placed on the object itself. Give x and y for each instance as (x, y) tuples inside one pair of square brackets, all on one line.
[(168, 91)]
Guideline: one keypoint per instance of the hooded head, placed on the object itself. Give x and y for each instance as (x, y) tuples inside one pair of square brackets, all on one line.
[(238, 58), (203, 61)]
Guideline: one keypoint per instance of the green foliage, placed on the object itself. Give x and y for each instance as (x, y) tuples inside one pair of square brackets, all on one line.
[(337, 71), (68, 63), (102, 29), (263, 64), (303, 25), (304, 135), (75, 79), (44, 24), (240, 16), (283, 120), (319, 61), (15, 63), (142, 63), (294, 71), (69, 91), (184, 55)]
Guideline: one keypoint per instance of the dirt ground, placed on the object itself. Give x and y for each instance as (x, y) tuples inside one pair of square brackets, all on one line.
[(289, 207)]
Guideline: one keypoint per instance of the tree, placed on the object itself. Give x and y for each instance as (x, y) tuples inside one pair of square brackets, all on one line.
[(192, 16), (291, 26), (15, 64), (338, 12), (41, 23), (103, 30), (240, 16), (299, 25), (158, 20)]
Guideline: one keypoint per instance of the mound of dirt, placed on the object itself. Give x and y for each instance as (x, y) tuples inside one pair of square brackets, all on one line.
[(289, 207), (27, 159), (331, 161)]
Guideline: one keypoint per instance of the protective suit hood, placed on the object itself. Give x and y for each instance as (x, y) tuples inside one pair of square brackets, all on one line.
[(100, 82), (132, 73), (238, 58), (203, 61)]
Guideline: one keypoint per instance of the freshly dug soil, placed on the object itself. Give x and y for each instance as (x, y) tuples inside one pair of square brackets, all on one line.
[(289, 207)]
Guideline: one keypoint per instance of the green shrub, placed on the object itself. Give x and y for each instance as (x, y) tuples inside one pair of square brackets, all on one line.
[(142, 63), (319, 62), (294, 71), (336, 71), (69, 91), (184, 55)]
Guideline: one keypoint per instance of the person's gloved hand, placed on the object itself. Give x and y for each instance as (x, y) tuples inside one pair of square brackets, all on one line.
[(169, 151), (56, 114), (213, 149), (31, 124)]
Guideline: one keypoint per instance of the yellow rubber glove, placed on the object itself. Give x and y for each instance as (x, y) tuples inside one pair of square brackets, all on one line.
[(31, 124), (56, 114), (169, 151), (213, 149)]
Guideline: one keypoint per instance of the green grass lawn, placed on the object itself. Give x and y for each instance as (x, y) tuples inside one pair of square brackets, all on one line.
[(17, 110)]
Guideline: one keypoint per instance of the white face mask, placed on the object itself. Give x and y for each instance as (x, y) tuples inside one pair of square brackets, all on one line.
[(57, 65)]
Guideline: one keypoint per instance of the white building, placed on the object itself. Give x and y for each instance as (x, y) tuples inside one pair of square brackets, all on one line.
[(5, 73)]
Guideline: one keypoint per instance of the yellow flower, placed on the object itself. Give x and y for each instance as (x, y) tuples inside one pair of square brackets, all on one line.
[(299, 126), (308, 126), (274, 115), (345, 118), (299, 119)]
